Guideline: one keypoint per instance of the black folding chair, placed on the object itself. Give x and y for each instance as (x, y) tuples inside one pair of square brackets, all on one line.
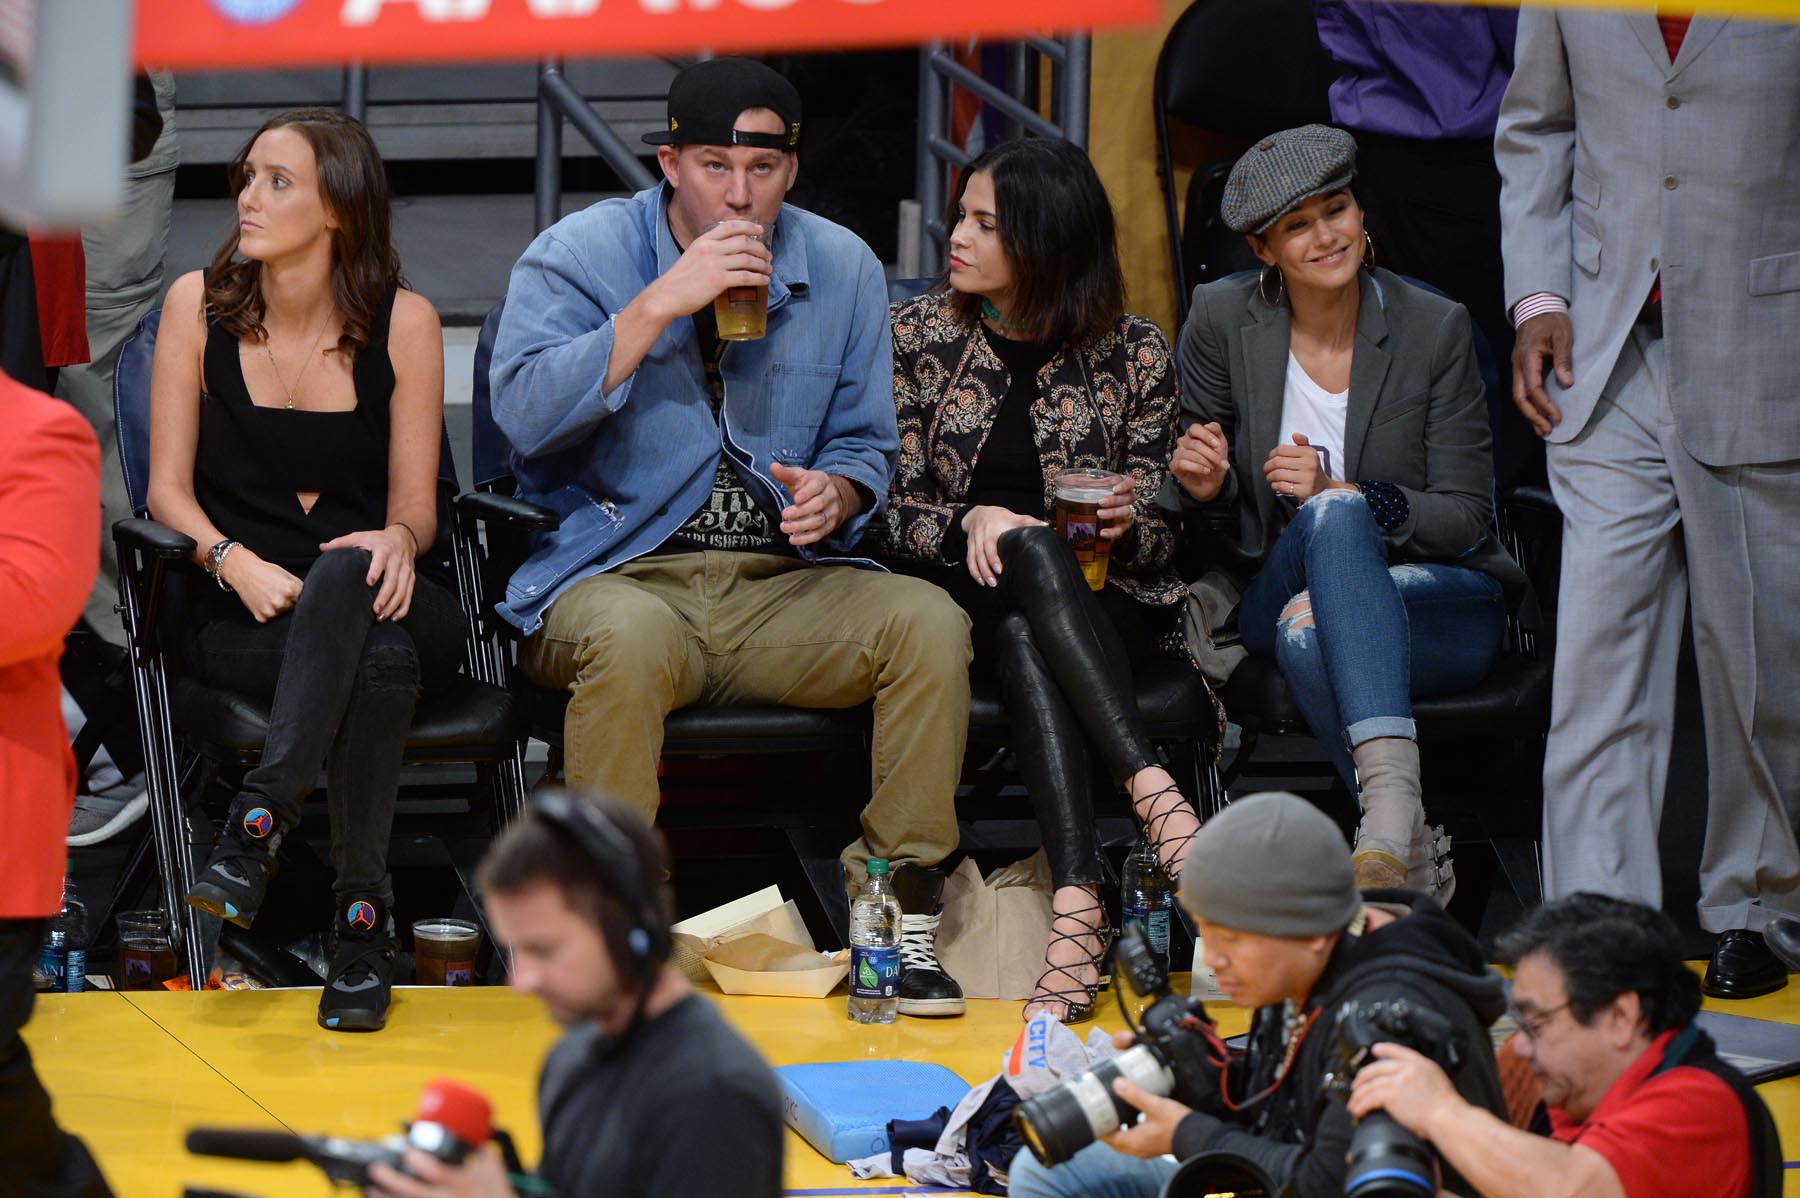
[(1242, 68), (187, 725)]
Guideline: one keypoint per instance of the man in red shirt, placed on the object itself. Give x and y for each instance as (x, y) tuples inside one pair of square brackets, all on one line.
[(1640, 1104), (49, 548)]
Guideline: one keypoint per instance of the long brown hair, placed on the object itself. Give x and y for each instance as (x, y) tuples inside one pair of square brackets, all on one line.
[(1056, 226), (353, 185)]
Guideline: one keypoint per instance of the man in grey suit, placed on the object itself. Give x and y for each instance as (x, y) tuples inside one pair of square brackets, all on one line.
[(1650, 213)]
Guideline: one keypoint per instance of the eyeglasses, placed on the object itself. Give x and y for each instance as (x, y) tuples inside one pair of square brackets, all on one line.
[(1534, 1025)]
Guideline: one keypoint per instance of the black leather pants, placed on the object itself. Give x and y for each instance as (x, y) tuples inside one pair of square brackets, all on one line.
[(1065, 674)]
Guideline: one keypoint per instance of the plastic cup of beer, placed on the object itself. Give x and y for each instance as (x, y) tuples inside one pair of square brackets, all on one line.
[(742, 313), (146, 951), (1079, 494), (444, 952)]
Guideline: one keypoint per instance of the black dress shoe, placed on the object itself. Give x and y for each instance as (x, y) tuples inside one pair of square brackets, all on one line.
[(1783, 938), (1742, 967)]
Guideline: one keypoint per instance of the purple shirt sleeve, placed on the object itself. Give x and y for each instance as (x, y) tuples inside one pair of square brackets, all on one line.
[(1425, 71)]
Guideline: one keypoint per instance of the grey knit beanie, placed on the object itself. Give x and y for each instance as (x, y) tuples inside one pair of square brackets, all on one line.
[(1271, 864), (1281, 170)]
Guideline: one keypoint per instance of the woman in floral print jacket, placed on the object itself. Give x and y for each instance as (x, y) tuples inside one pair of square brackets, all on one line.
[(1024, 364)]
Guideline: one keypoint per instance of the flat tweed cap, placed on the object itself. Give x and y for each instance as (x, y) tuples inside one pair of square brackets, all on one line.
[(1271, 864), (1281, 170)]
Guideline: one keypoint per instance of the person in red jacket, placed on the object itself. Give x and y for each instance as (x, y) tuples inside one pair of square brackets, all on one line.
[(49, 550)]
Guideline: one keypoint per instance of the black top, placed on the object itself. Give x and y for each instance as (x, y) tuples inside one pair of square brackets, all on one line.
[(1008, 471), (683, 1106), (252, 461), (728, 518)]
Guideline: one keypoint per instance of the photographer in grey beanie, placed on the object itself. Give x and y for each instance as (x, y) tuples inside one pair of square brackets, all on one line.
[(1270, 886)]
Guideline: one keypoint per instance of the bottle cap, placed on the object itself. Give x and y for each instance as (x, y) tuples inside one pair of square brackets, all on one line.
[(877, 865)]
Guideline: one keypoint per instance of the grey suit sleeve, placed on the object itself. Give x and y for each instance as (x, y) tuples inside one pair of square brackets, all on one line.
[(1534, 147), (1205, 397), (1452, 515)]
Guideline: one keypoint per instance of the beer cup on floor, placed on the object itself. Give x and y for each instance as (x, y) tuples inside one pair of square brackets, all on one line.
[(1079, 494), (146, 952), (444, 952), (742, 313)]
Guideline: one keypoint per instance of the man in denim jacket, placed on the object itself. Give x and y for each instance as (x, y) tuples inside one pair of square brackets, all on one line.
[(702, 483)]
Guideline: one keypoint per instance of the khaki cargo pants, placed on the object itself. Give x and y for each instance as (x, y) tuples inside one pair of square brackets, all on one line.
[(668, 630)]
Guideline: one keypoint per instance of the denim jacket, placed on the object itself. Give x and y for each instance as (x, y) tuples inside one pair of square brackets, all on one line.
[(624, 468)]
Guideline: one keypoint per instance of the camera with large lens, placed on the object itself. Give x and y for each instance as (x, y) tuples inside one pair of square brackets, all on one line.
[(1386, 1160), (1171, 1057)]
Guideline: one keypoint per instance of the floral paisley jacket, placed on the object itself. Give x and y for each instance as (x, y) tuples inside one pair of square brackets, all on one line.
[(1108, 401)]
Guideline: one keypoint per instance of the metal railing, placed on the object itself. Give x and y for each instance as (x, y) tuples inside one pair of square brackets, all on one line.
[(356, 92), (559, 101), (938, 156)]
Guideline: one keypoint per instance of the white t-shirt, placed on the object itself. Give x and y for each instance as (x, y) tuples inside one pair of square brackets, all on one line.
[(1318, 414)]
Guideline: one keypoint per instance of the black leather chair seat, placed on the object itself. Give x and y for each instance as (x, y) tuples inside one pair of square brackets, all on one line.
[(1171, 698), (471, 721), (746, 728), (1515, 697)]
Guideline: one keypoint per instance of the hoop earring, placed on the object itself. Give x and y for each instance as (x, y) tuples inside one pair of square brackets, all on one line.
[(1262, 286), (1369, 251)]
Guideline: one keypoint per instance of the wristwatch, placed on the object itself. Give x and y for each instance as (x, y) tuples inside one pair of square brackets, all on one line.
[(215, 561)]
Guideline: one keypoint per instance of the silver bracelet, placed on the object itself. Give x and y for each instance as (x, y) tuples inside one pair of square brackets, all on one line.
[(215, 561)]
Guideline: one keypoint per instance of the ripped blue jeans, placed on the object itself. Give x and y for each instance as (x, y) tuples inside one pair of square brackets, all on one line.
[(1357, 638)]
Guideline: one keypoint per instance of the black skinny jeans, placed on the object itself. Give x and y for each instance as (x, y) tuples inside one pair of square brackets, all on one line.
[(341, 689), (1063, 655), (37, 1158)]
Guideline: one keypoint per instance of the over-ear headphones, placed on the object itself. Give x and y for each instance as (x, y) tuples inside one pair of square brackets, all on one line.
[(620, 869)]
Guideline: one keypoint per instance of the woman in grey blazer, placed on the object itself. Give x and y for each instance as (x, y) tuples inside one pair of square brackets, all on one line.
[(1335, 426)]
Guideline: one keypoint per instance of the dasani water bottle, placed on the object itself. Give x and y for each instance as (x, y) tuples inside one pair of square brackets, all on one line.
[(64, 959), (875, 949)]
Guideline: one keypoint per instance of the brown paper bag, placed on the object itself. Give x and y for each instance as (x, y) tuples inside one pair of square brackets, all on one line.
[(992, 935)]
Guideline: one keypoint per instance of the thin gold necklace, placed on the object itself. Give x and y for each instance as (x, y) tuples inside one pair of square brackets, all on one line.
[(273, 365)]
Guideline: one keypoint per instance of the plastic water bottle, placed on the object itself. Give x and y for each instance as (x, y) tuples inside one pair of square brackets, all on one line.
[(1147, 899), (64, 959), (875, 949)]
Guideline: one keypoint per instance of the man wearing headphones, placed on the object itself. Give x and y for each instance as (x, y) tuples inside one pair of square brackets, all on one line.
[(574, 891)]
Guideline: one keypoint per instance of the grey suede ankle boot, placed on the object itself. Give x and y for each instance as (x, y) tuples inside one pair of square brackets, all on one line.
[(1393, 811)]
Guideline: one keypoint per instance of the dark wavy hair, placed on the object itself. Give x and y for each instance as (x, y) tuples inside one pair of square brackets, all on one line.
[(1606, 947), (1056, 226), (533, 849), (353, 185)]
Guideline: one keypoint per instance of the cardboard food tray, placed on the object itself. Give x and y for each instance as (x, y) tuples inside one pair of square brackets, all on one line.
[(762, 964)]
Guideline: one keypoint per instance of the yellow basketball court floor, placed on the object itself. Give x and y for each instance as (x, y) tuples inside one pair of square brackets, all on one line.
[(132, 1072)]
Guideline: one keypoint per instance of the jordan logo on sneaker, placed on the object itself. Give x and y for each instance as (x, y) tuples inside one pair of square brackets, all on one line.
[(258, 823), (360, 915)]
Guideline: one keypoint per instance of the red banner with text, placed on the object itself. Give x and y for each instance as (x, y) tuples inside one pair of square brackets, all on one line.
[(224, 34)]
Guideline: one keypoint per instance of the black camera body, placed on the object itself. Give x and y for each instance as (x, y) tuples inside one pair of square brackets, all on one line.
[(1386, 1160), (1170, 1058)]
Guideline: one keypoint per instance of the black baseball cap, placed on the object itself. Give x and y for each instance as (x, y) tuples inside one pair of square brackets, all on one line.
[(706, 98)]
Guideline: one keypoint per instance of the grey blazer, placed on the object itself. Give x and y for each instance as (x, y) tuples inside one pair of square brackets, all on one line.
[(1417, 418), (1617, 165)]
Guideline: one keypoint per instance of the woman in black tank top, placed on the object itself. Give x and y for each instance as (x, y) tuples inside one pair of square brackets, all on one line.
[(296, 414)]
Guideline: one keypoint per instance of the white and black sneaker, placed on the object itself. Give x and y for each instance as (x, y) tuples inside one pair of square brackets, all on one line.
[(925, 987)]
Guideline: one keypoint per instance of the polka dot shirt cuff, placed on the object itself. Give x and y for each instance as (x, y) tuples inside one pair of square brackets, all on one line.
[(1387, 503)]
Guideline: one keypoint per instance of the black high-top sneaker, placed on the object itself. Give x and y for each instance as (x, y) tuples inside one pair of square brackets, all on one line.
[(361, 978), (925, 989), (236, 876)]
